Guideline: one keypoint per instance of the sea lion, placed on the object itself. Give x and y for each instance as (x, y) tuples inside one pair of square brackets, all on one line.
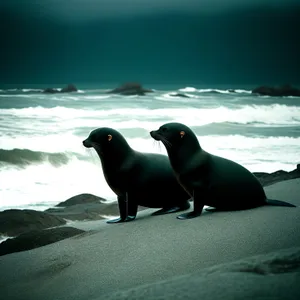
[(136, 178), (211, 180)]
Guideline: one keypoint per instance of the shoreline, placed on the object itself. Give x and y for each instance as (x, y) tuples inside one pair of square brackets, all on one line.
[(114, 261), (264, 177), (83, 212)]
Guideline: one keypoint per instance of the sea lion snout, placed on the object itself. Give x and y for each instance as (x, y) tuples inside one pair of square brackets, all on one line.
[(86, 143), (155, 135)]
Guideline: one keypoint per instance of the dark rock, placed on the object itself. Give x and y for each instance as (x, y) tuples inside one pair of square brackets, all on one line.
[(87, 211), (133, 92), (81, 199), (130, 88), (37, 238), (67, 89), (84, 207), (17, 221), (283, 91), (180, 95), (271, 178)]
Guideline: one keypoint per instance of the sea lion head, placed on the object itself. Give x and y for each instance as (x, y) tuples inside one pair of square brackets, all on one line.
[(105, 140), (175, 136)]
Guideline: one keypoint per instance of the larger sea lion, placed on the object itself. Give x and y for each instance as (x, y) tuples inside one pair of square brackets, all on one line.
[(136, 178), (211, 180)]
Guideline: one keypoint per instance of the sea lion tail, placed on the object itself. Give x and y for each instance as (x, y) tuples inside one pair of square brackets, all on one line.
[(279, 203)]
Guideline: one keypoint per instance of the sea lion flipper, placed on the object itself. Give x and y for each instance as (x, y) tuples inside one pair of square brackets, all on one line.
[(123, 206), (119, 220), (189, 215), (123, 210), (198, 206), (279, 203), (169, 210), (132, 209), (212, 209), (127, 210)]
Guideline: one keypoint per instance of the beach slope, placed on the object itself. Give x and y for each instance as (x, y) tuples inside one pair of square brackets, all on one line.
[(112, 258)]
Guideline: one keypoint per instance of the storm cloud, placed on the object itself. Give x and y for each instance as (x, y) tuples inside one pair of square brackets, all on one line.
[(85, 10), (187, 41)]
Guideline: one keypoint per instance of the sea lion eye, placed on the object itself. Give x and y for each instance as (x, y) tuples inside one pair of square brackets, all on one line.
[(164, 129), (109, 137), (182, 133)]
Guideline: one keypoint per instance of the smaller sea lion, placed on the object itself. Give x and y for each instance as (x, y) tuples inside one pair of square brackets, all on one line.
[(136, 178)]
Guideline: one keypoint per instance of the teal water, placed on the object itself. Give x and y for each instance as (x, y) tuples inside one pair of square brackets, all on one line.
[(43, 162)]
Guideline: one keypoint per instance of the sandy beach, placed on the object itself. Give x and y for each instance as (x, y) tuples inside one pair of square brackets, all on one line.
[(128, 261), (78, 77)]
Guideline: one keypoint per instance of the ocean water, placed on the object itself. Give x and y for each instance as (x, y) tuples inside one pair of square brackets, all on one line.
[(43, 161)]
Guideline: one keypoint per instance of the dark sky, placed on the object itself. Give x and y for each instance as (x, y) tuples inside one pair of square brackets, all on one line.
[(152, 41)]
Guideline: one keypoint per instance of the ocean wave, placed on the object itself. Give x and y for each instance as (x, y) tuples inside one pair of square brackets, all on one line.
[(68, 139), (41, 183), (217, 91), (238, 142), (50, 143), (16, 96), (275, 114), (186, 89), (21, 90), (30, 90), (185, 96), (3, 238), (251, 129), (249, 151), (24, 157), (96, 97)]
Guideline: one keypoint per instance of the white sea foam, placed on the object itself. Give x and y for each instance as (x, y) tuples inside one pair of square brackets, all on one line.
[(44, 142), (227, 91), (31, 90), (3, 237), (55, 130), (243, 91), (16, 96), (239, 148), (47, 185), (268, 114), (96, 97), (173, 95), (188, 89), (62, 129)]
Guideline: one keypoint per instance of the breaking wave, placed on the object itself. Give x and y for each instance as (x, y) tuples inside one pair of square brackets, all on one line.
[(278, 114), (217, 91), (18, 91), (24, 157)]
